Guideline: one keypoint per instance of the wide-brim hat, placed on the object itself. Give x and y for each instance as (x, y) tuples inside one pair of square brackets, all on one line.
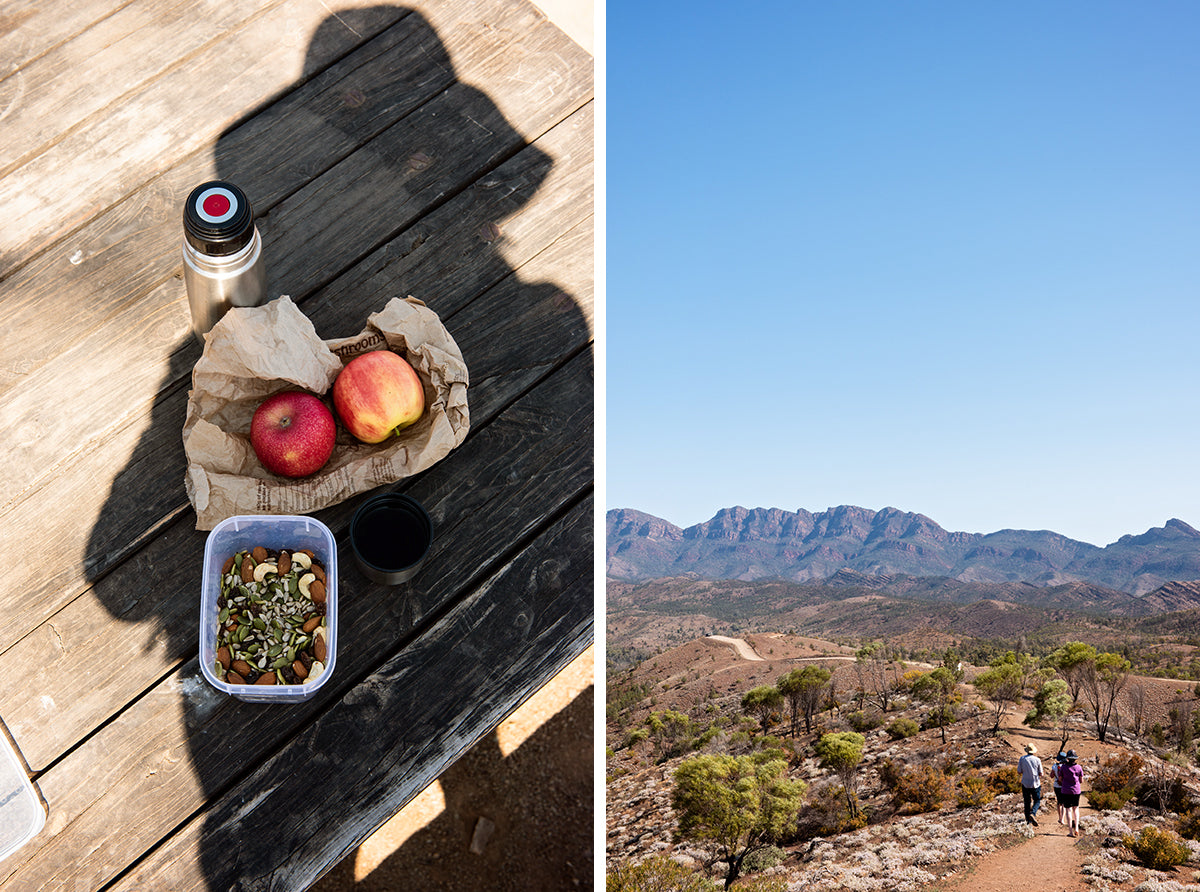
[(1071, 757), (1030, 748)]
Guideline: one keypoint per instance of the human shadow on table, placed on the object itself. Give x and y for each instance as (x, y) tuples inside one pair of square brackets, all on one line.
[(510, 823), (216, 725)]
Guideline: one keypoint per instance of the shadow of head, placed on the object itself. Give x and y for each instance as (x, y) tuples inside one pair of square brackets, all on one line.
[(371, 138)]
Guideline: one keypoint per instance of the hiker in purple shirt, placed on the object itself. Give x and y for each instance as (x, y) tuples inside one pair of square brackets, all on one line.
[(1030, 767), (1071, 778)]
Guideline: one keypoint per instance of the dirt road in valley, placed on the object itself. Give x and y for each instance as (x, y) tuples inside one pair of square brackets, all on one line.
[(741, 647)]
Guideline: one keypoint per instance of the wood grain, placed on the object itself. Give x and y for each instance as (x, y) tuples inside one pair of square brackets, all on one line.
[(481, 518), (443, 150)]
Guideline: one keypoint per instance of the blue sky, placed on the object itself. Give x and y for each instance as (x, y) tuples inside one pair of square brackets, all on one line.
[(943, 257)]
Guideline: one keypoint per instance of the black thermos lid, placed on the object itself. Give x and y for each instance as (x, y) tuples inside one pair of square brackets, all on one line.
[(217, 218)]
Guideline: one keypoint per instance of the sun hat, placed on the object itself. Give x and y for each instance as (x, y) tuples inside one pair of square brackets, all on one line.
[(1030, 748), (1061, 757)]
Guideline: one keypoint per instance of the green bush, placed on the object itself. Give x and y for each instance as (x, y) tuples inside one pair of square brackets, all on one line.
[(973, 790), (655, 874), (902, 728), (864, 721), (1157, 849), (924, 789), (1109, 800), (763, 859), (762, 884), (636, 737)]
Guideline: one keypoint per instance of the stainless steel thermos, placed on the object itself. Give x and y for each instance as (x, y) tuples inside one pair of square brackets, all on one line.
[(222, 254)]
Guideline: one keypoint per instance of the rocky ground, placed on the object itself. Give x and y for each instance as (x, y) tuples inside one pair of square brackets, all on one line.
[(973, 849)]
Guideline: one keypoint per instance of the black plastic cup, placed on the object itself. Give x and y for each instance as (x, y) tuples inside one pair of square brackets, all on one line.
[(391, 535)]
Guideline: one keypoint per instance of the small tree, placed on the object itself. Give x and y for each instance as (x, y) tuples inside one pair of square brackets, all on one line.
[(1135, 695), (842, 752), (871, 664), (740, 803), (940, 688), (762, 701), (804, 689), (1003, 684), (1051, 705), (1070, 661), (1102, 680), (667, 729)]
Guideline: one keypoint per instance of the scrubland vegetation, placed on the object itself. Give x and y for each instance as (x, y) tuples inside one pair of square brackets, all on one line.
[(881, 774)]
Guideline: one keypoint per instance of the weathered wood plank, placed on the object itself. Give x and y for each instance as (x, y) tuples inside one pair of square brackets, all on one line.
[(183, 111), (158, 761), (121, 52), (435, 698), (75, 679), (31, 28), (133, 247), (451, 254), (64, 295)]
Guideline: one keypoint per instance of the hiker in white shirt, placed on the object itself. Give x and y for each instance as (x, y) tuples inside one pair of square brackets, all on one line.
[(1030, 767)]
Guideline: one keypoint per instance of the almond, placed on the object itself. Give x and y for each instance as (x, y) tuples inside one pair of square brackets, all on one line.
[(247, 569), (228, 566), (319, 571), (311, 625), (300, 670), (241, 667), (316, 591), (320, 651), (233, 678), (266, 678), (260, 554), (285, 563), (223, 656)]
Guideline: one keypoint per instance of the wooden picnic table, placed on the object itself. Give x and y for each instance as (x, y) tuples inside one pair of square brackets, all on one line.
[(443, 151)]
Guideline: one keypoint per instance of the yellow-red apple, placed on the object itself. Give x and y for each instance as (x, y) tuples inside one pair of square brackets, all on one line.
[(293, 433), (377, 395)]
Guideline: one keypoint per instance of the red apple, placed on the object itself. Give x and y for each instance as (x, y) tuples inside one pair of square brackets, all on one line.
[(377, 395), (292, 433)]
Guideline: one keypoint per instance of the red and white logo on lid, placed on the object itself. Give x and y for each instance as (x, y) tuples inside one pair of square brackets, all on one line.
[(216, 205)]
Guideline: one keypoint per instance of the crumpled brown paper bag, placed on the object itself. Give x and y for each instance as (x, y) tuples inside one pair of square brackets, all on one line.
[(254, 352)]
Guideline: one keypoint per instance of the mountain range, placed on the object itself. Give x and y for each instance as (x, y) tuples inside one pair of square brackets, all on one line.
[(862, 544)]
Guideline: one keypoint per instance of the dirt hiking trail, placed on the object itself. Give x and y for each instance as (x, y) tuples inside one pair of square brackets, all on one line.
[(1049, 862)]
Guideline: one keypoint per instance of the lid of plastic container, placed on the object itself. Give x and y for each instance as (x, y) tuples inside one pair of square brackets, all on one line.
[(21, 811), (217, 218)]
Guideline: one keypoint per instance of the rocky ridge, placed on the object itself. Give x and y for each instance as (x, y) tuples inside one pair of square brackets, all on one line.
[(761, 543)]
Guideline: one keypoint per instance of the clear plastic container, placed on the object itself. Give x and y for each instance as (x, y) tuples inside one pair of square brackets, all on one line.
[(275, 531), (22, 815)]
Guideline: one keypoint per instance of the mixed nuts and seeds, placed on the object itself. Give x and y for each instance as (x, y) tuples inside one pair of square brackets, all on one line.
[(271, 618)]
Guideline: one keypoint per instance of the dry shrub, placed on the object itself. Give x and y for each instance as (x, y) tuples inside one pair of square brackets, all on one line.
[(1189, 824), (973, 790), (828, 812), (924, 789), (1006, 779), (1118, 773)]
